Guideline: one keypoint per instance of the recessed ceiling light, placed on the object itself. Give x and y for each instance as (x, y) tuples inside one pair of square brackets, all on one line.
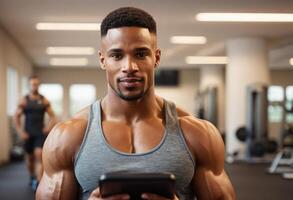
[(70, 50), (291, 61), (245, 17), (188, 40), (206, 60), (68, 26), (68, 61)]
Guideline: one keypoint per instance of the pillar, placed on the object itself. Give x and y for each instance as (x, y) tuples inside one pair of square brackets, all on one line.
[(247, 64)]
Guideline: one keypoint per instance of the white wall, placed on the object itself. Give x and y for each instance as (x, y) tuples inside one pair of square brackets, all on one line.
[(183, 95), (69, 76), (10, 55), (248, 64)]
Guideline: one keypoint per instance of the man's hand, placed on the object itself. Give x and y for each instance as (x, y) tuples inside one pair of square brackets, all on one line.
[(96, 195), (24, 135), (150, 196)]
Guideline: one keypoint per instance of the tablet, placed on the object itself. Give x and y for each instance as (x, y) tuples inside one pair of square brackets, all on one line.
[(135, 184)]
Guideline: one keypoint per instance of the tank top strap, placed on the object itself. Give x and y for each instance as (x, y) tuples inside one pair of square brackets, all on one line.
[(173, 127), (172, 124), (95, 125), (96, 111), (90, 129), (97, 115)]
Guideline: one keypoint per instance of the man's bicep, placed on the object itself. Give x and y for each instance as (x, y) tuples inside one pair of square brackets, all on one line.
[(49, 109), (211, 180), (50, 112), (58, 180), (19, 109)]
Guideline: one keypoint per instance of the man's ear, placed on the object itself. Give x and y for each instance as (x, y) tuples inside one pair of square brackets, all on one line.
[(158, 57), (101, 60)]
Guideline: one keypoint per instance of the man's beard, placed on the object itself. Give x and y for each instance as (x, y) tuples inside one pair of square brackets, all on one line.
[(129, 98)]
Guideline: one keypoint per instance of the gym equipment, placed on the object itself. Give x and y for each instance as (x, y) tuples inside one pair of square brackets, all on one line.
[(283, 161), (288, 175), (255, 132), (207, 105), (267, 146), (256, 120), (270, 146), (285, 157), (241, 134), (256, 149)]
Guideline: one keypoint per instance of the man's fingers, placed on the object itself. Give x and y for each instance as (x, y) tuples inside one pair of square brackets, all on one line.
[(96, 192), (151, 196), (119, 196), (96, 195)]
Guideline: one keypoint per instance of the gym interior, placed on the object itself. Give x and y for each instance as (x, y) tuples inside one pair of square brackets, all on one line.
[(234, 71)]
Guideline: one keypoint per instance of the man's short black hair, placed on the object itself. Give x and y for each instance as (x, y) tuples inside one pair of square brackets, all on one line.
[(128, 17)]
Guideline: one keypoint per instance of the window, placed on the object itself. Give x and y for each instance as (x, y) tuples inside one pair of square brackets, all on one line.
[(275, 113), (81, 95), (275, 108), (12, 90), (54, 93), (24, 85), (289, 93), (275, 93), (289, 104)]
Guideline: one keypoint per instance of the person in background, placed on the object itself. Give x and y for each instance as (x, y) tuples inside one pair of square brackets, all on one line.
[(34, 106)]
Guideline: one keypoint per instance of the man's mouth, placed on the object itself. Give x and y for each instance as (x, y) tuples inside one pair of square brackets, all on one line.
[(130, 81)]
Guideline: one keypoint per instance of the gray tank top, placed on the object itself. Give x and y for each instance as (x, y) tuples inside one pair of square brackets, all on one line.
[(96, 156)]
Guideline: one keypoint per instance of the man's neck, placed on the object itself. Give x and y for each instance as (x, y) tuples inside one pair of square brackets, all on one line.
[(114, 108), (34, 94)]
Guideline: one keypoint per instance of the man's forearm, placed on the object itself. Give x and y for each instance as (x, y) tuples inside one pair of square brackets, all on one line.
[(18, 125)]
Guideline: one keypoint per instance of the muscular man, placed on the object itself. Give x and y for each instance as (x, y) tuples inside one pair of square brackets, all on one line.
[(34, 106), (131, 128)]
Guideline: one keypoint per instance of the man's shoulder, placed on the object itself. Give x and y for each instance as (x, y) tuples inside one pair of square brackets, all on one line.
[(23, 100), (73, 127), (189, 121), (195, 126), (66, 137), (202, 137)]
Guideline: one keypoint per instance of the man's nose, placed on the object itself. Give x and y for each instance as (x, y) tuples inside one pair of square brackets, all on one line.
[(129, 66)]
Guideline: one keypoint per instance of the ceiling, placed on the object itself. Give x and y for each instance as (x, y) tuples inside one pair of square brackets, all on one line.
[(174, 17)]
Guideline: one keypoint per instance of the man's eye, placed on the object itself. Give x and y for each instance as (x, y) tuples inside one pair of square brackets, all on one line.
[(116, 56), (141, 54)]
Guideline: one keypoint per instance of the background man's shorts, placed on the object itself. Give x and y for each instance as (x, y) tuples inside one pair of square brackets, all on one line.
[(34, 142)]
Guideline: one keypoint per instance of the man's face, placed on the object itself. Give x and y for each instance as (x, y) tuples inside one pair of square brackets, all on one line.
[(34, 85), (129, 55)]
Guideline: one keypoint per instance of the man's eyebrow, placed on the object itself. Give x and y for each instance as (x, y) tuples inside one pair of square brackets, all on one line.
[(142, 49), (115, 50)]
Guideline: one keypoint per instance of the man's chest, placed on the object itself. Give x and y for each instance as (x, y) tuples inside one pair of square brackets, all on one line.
[(136, 138)]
